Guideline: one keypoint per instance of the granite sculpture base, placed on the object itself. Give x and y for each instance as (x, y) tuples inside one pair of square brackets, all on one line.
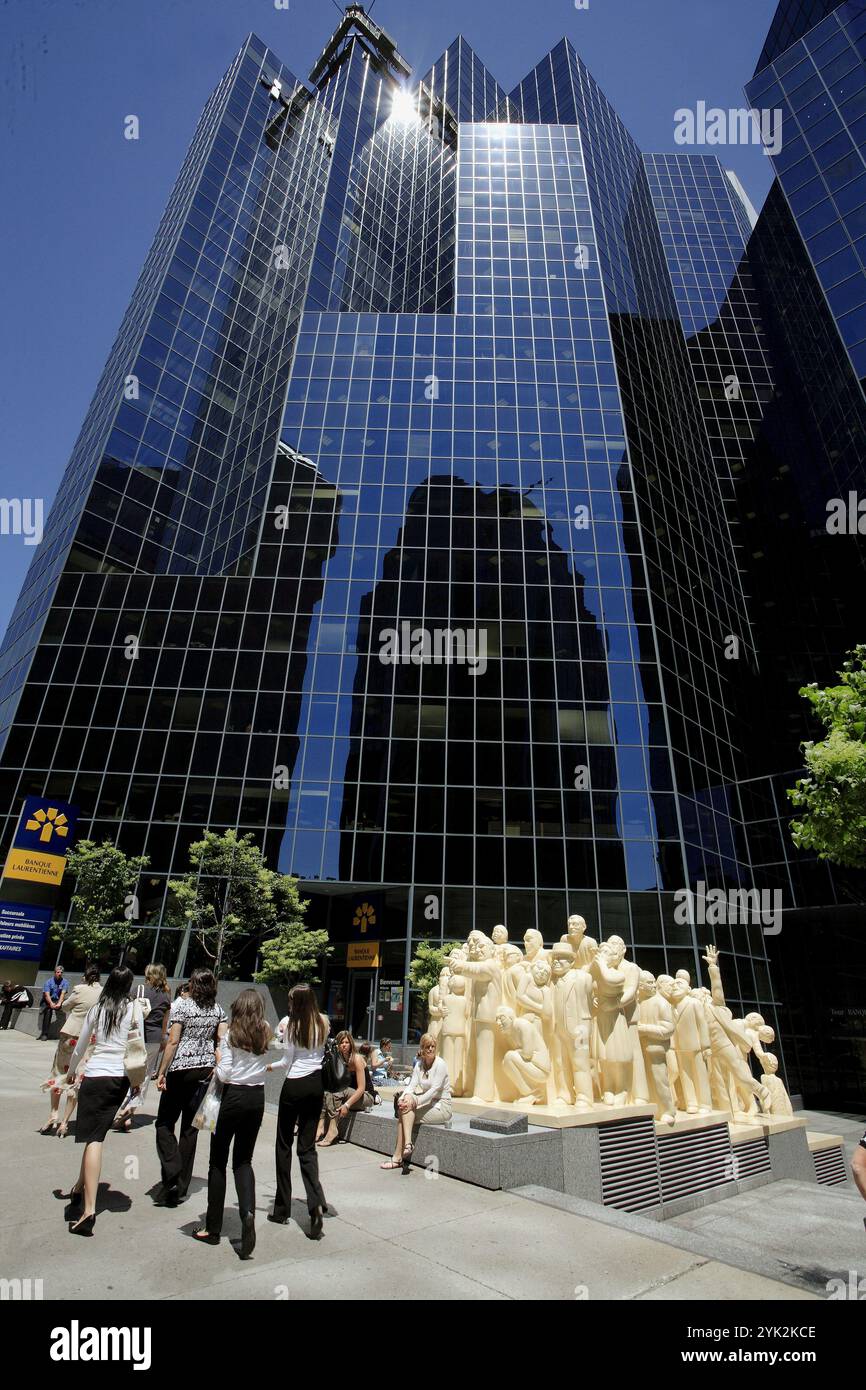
[(617, 1158)]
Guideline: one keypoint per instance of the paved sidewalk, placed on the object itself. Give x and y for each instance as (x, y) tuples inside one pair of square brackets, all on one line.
[(408, 1237)]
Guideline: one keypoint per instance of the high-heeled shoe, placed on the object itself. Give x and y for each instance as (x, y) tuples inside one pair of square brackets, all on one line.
[(316, 1223), (83, 1226), (248, 1236), (50, 1128), (206, 1238), (406, 1160)]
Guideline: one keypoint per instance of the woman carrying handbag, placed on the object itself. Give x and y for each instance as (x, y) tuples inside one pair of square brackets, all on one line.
[(112, 1030), (195, 1026)]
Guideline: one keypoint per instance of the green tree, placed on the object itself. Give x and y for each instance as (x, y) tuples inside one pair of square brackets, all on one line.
[(104, 904), (429, 959), (294, 951), (832, 797), (231, 895)]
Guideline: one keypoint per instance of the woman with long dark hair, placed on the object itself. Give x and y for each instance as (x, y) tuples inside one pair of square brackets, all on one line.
[(301, 1104), (105, 1031), (195, 1025), (241, 1066)]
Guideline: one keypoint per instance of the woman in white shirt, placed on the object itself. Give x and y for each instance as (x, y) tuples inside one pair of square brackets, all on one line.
[(105, 1031), (241, 1066), (427, 1101), (301, 1104)]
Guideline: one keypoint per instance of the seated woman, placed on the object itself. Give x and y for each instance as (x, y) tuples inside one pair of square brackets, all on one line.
[(427, 1101), (338, 1105)]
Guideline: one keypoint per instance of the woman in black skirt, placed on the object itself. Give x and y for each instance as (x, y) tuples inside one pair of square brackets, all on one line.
[(102, 1088)]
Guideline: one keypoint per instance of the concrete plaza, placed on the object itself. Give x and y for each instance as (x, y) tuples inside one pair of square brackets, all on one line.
[(390, 1236)]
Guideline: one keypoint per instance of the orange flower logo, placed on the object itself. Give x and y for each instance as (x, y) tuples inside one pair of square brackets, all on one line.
[(49, 823), (365, 916)]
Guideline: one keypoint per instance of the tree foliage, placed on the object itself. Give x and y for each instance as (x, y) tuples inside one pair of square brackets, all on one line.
[(429, 960), (294, 951), (104, 904), (231, 895), (832, 798)]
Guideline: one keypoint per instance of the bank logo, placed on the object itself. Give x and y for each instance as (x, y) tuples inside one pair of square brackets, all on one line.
[(77, 1343), (365, 916), (49, 823)]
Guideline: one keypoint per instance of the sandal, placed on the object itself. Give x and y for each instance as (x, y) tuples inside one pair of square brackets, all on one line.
[(406, 1161), (392, 1163)]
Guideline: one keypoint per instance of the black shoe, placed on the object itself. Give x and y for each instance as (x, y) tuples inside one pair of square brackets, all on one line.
[(206, 1237), (278, 1220), (83, 1227), (315, 1223), (168, 1197), (248, 1236)]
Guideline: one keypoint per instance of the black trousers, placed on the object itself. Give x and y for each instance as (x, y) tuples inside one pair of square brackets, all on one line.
[(11, 1014), (180, 1100), (50, 1021), (242, 1109), (301, 1105)]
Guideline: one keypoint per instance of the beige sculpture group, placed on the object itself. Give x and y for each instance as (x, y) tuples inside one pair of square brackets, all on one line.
[(581, 1026)]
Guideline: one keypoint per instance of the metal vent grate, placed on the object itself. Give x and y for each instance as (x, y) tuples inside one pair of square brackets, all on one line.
[(695, 1161), (751, 1157), (830, 1166), (629, 1166)]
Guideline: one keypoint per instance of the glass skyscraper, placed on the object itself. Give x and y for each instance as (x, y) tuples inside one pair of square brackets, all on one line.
[(408, 528)]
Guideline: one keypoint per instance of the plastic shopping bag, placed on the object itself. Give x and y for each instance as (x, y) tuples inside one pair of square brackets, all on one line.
[(208, 1113)]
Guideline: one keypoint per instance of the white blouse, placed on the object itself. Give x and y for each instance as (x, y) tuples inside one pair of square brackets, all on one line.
[(237, 1067)]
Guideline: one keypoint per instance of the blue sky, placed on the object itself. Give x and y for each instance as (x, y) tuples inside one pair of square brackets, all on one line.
[(81, 203)]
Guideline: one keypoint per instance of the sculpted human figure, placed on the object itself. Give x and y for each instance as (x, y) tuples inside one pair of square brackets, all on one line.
[(656, 1029), (485, 974), (499, 937), (584, 947), (535, 996), (615, 1052), (533, 945), (639, 1090), (779, 1101), (436, 1003), (572, 1012), (526, 1061), (513, 970), (732, 1083), (664, 986), (691, 1042), (455, 1026)]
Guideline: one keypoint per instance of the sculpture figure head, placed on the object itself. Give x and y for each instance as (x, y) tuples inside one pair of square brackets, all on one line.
[(504, 1018), (562, 959), (646, 985), (679, 991), (540, 972), (480, 946), (665, 983), (455, 954), (499, 934), (766, 1034), (685, 977), (614, 949), (457, 984), (533, 941), (575, 928), (754, 1021), (771, 1063), (512, 955)]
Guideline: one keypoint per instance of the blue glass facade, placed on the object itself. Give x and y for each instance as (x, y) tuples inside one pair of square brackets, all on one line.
[(440, 382), (818, 82)]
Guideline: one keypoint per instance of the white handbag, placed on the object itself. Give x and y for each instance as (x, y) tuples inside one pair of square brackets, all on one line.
[(135, 1055)]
